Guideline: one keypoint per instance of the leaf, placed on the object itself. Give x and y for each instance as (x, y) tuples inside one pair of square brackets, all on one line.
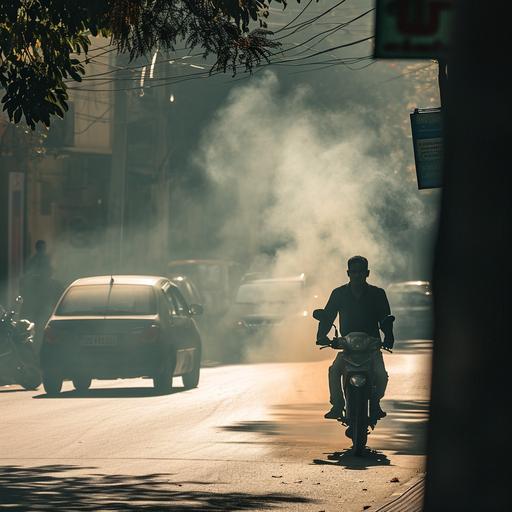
[(17, 115)]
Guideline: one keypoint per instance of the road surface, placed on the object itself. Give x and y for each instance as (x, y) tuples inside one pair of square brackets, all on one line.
[(251, 437)]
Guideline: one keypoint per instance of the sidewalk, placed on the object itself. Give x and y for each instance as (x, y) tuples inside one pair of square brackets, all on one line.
[(408, 500)]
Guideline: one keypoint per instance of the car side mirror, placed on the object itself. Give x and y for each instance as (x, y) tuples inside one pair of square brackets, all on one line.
[(319, 314), (196, 309)]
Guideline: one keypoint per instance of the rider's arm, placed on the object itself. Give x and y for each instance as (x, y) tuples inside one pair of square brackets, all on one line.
[(386, 320), (331, 310)]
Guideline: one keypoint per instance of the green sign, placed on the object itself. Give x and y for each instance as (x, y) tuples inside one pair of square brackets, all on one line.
[(427, 137), (412, 29)]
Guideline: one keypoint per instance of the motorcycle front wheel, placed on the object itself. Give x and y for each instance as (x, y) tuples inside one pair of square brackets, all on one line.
[(358, 420)]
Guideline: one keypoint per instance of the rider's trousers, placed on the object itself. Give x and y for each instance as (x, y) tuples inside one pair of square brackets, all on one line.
[(380, 377)]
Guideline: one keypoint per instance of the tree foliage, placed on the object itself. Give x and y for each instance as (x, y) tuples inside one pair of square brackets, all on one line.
[(43, 43)]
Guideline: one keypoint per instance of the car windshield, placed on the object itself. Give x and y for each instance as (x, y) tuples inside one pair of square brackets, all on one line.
[(207, 276), (103, 299), (401, 298), (269, 293)]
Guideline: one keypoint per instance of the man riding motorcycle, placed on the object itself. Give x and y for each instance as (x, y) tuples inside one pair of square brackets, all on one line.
[(361, 308)]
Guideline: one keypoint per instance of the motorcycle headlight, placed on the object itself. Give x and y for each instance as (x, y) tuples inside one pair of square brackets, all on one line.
[(358, 380)]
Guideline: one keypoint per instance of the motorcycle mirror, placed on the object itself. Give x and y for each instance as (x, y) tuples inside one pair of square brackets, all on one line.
[(318, 314)]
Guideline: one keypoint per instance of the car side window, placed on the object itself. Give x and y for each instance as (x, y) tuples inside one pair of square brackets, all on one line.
[(169, 301), (181, 305)]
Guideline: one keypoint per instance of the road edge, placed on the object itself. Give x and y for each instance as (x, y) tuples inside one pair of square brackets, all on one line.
[(408, 499)]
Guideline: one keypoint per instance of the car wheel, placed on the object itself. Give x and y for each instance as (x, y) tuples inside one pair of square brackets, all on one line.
[(52, 384), (81, 383), (191, 379), (162, 382)]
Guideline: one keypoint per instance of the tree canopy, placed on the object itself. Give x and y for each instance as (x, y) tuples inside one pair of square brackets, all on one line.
[(44, 43)]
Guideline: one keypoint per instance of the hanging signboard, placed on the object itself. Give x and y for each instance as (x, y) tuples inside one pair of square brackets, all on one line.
[(412, 29), (426, 125)]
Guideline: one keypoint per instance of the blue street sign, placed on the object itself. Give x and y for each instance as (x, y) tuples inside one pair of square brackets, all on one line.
[(426, 125)]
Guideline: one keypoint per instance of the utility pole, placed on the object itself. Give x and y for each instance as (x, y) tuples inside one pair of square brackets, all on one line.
[(116, 205), (442, 76)]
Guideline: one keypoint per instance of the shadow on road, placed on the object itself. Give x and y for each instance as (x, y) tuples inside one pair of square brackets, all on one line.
[(15, 390), (349, 461), (60, 488), (404, 428), (267, 428), (138, 392)]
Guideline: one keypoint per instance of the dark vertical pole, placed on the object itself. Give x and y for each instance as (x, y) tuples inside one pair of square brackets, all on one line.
[(442, 75), (468, 464), (118, 171)]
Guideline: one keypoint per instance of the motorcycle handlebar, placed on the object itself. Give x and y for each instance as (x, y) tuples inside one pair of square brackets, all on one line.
[(337, 344)]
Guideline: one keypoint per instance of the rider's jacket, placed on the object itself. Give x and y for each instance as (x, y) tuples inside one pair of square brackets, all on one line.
[(361, 314)]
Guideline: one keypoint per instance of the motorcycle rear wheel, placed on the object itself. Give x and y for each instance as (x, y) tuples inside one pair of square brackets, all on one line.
[(30, 378), (29, 374)]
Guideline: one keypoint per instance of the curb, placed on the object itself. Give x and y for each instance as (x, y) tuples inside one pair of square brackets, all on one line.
[(409, 500)]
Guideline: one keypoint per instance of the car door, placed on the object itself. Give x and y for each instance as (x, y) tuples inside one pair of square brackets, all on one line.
[(182, 329)]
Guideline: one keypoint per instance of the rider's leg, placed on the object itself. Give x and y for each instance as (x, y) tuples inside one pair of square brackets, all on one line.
[(335, 388), (380, 378)]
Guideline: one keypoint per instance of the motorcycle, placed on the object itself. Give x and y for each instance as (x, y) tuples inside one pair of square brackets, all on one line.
[(18, 359), (357, 380)]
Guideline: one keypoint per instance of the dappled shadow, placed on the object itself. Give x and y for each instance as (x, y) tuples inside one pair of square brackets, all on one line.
[(62, 488), (404, 429), (267, 428), (348, 460), (131, 392)]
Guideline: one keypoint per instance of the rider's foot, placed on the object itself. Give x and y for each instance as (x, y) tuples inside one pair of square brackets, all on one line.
[(376, 413), (333, 414)]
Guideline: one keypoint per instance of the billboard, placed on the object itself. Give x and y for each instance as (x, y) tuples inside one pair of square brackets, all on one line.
[(412, 29)]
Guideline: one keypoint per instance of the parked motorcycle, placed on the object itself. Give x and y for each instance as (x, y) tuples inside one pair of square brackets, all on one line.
[(357, 380), (18, 359)]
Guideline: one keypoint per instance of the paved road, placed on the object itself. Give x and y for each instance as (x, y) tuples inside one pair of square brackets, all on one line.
[(251, 437)]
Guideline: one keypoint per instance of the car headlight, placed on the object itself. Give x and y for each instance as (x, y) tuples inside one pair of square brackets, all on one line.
[(358, 380)]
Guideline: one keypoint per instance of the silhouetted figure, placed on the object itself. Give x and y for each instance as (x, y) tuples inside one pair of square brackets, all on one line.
[(361, 308), (39, 290), (39, 264)]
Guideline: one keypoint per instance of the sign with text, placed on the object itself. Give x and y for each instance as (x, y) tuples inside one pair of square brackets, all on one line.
[(426, 125), (412, 29)]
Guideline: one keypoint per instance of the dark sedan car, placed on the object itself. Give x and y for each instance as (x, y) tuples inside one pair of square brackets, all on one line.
[(109, 327), (411, 303)]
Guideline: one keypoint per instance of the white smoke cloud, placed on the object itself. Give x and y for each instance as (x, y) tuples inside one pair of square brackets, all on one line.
[(309, 181), (306, 176)]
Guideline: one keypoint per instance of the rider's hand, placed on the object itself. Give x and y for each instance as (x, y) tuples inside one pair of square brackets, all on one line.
[(324, 341), (389, 341)]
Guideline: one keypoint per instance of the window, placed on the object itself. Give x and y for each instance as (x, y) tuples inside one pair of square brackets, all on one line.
[(103, 299), (269, 293), (180, 303)]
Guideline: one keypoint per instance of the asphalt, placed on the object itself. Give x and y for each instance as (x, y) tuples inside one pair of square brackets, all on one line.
[(251, 437)]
